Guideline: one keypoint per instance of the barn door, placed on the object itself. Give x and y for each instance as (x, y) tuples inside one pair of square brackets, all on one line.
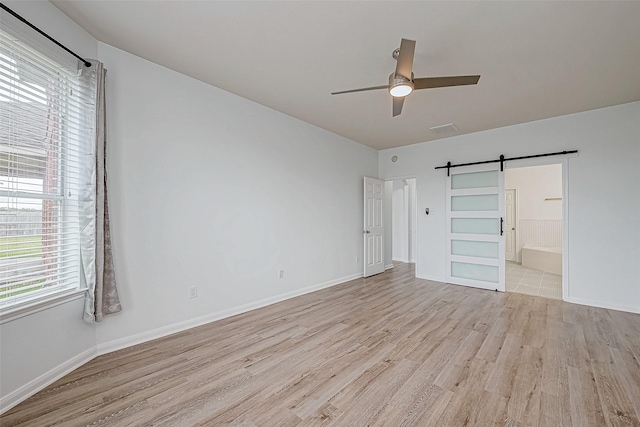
[(475, 213)]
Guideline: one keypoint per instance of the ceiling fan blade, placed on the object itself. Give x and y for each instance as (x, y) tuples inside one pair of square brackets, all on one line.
[(361, 90), (397, 106), (433, 82), (405, 58)]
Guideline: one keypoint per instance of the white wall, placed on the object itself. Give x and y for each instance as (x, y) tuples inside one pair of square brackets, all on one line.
[(212, 190), (57, 338), (603, 196), (538, 220), (534, 185)]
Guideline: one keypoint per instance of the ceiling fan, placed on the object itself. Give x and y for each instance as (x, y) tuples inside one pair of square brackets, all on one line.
[(402, 82)]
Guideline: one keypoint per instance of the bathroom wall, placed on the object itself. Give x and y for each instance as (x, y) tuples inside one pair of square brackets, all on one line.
[(538, 219)]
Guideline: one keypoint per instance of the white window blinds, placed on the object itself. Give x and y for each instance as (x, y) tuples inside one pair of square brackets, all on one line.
[(44, 114)]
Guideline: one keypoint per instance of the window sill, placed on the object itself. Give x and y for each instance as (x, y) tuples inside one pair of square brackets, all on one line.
[(40, 304)]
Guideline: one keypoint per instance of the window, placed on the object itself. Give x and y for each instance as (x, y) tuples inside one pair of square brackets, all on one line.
[(44, 118)]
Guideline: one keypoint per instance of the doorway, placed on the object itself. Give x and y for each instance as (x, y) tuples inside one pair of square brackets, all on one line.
[(401, 221), (534, 230)]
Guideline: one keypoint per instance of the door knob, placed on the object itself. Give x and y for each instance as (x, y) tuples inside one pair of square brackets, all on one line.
[(366, 231)]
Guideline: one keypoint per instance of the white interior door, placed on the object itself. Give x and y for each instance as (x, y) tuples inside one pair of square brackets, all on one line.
[(510, 225), (475, 212), (373, 226)]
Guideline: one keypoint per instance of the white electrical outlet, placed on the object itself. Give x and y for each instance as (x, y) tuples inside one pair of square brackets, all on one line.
[(280, 274), (193, 291)]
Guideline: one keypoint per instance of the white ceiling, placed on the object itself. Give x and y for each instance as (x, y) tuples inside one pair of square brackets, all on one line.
[(537, 59)]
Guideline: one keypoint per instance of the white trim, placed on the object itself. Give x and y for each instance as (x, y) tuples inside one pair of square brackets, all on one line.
[(493, 238), (565, 229), (481, 191), (475, 214), (32, 387), (405, 260), (142, 337), (516, 235), (432, 279), (480, 284), (607, 305), (40, 304), (468, 283), (517, 224), (400, 178), (467, 259), (388, 267)]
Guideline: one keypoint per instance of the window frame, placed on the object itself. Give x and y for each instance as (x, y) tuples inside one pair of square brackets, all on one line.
[(42, 299)]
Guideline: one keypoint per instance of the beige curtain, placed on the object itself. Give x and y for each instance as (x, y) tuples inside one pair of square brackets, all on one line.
[(102, 294)]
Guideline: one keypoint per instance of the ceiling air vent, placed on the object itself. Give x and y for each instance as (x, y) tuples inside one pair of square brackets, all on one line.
[(444, 129)]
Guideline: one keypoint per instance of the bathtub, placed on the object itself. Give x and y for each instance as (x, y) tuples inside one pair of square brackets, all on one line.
[(545, 259)]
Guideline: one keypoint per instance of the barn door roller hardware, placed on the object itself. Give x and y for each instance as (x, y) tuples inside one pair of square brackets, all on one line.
[(502, 159)]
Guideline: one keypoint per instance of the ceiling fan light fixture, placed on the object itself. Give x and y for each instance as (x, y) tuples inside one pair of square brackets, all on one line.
[(399, 86), (401, 90)]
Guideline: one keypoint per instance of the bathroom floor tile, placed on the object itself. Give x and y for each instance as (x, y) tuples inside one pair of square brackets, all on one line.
[(528, 281)]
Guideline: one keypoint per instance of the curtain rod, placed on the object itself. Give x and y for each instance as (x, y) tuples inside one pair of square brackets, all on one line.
[(502, 159), (20, 18)]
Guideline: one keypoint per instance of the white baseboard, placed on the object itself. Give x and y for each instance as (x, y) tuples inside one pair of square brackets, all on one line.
[(142, 337), (405, 260), (440, 279), (32, 387), (387, 267), (607, 305)]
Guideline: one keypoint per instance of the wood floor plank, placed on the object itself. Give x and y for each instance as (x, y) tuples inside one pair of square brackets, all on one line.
[(415, 403), (362, 401), (388, 350), (468, 390), (503, 373), (524, 399), (554, 411), (329, 382), (618, 410), (586, 409)]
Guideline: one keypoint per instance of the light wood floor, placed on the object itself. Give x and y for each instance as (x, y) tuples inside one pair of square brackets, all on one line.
[(387, 350)]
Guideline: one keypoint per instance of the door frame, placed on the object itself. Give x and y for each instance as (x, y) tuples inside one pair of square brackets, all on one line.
[(404, 217), (564, 161), (516, 208)]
